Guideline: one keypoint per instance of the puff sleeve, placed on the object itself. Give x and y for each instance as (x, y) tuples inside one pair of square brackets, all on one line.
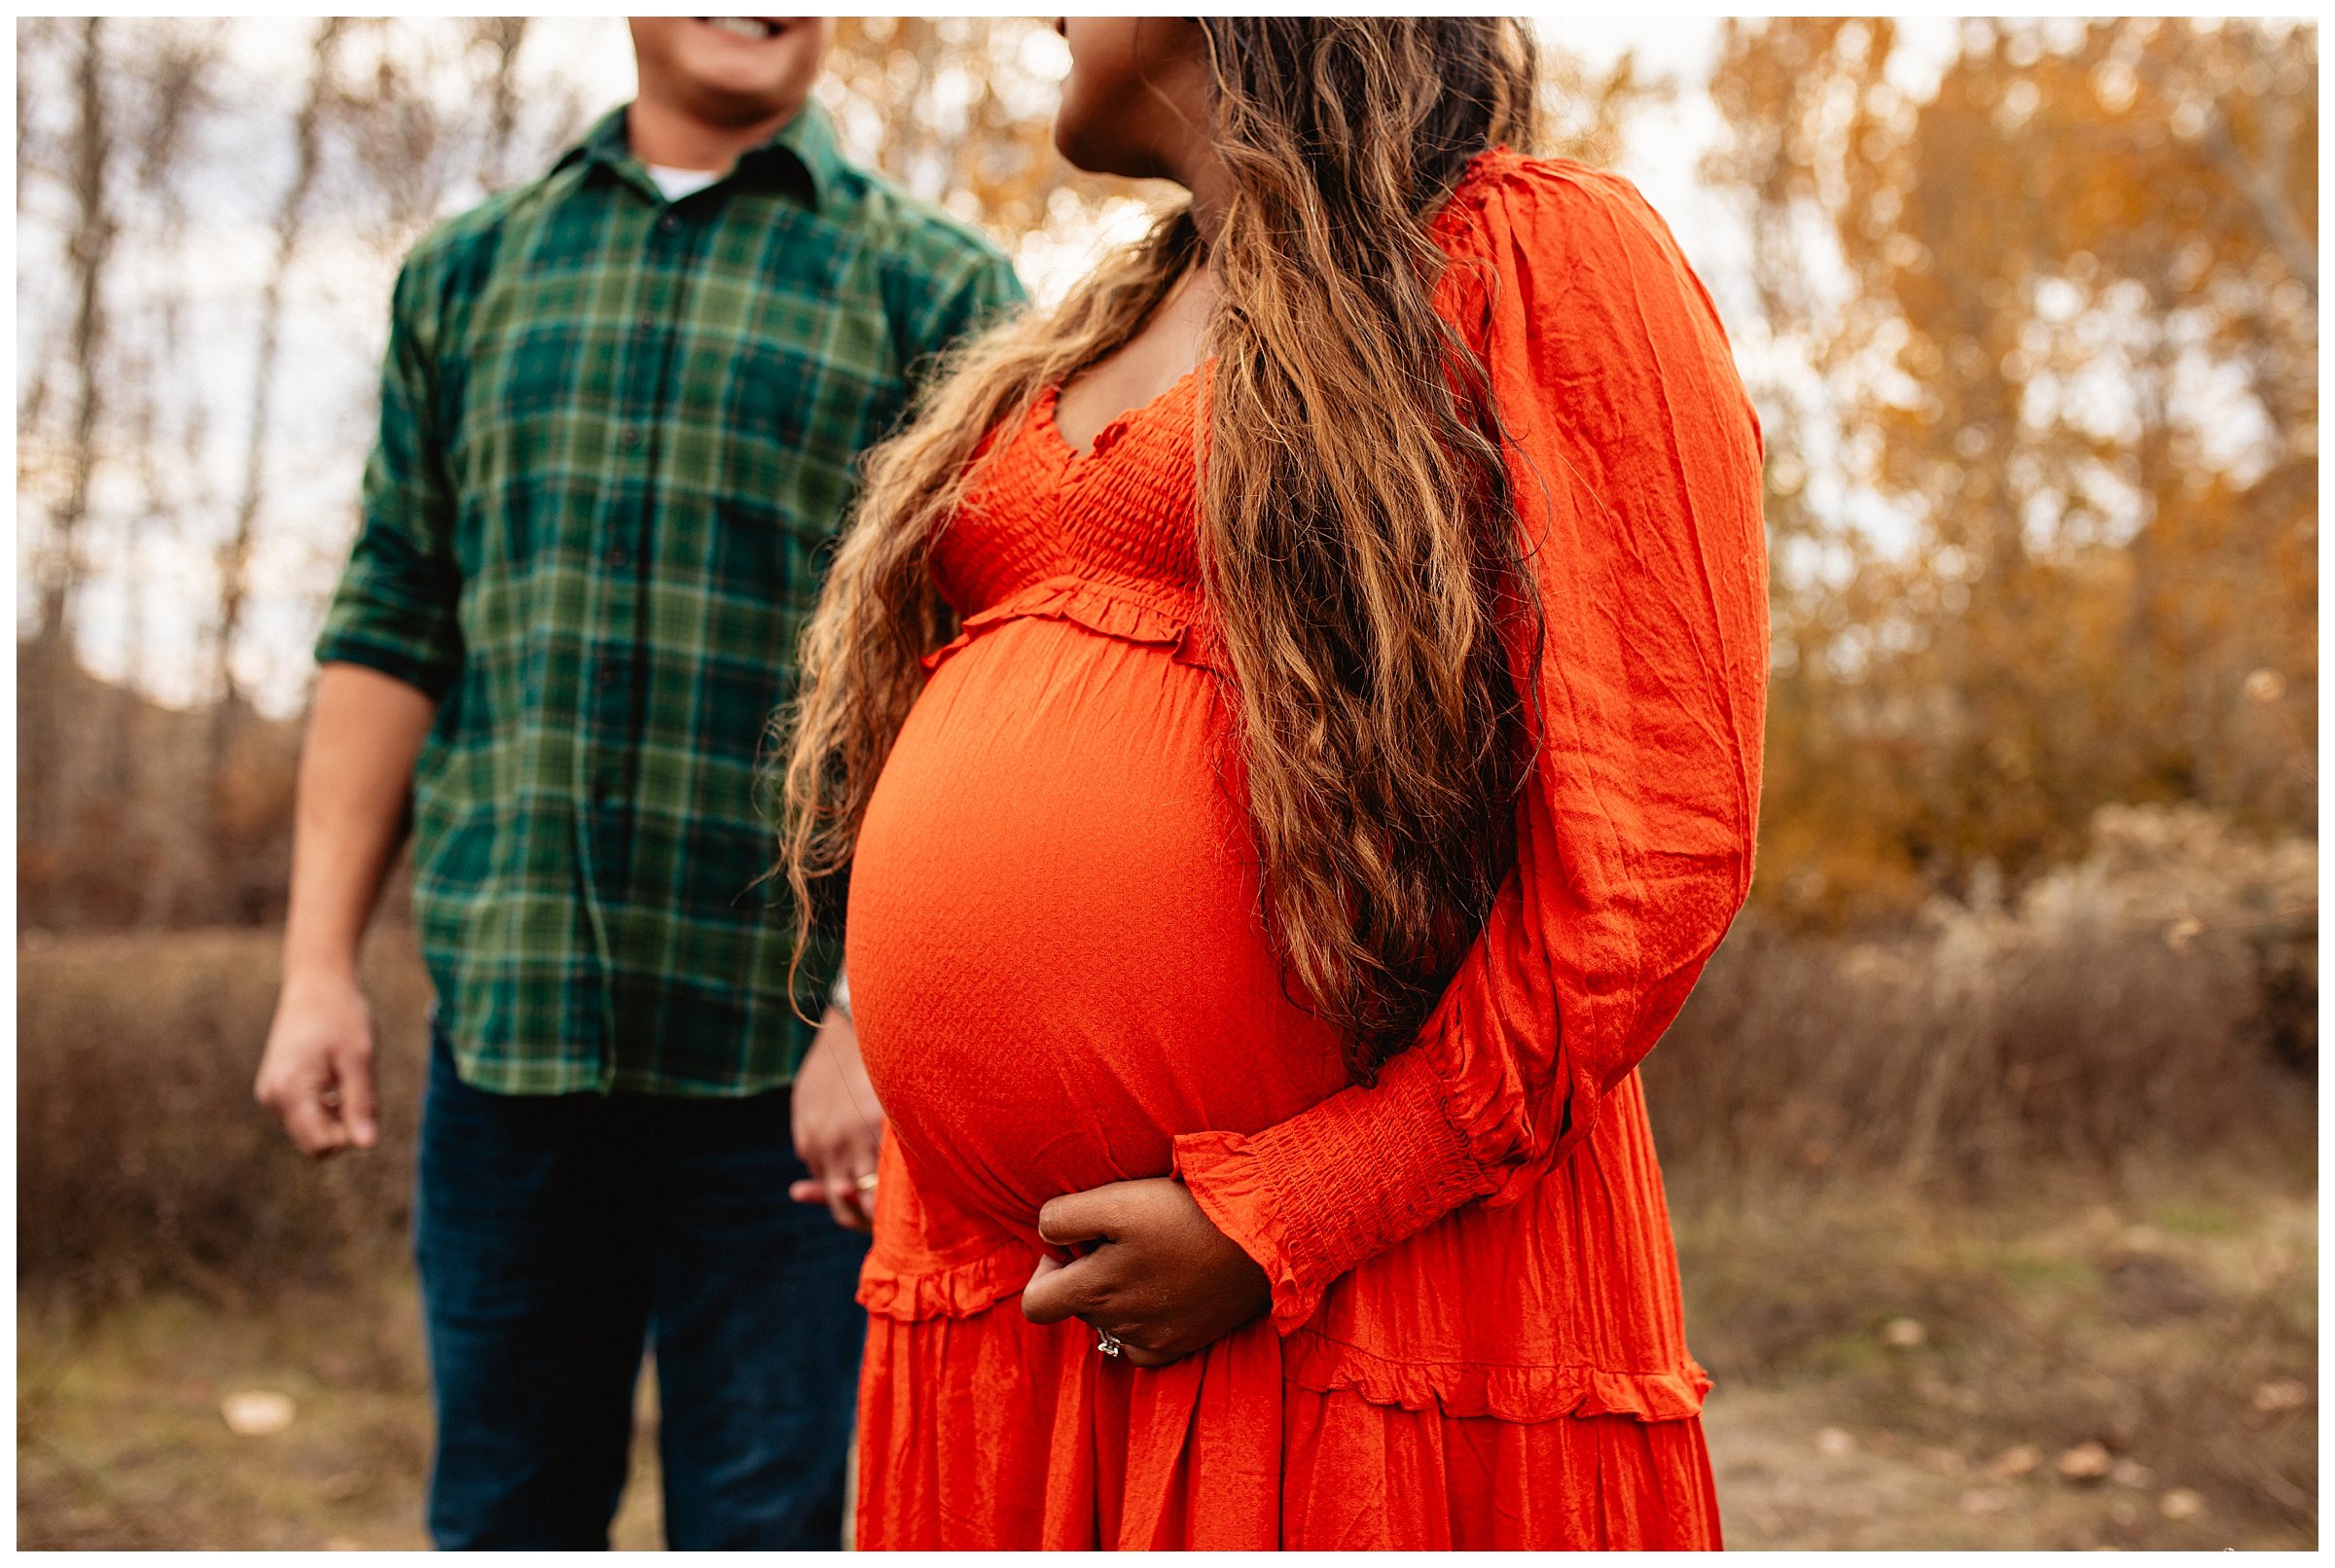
[(1635, 458)]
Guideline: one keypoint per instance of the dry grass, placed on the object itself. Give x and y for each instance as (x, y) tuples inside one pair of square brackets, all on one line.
[(141, 1158), (121, 1440), (2159, 997), (2069, 1137), (2149, 1321), (2170, 1317)]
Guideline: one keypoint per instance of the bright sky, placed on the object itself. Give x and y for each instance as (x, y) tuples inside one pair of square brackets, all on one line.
[(325, 401)]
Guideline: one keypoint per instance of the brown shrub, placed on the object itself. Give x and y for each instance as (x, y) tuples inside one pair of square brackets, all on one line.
[(141, 1158), (137, 815), (2156, 996), (2161, 994)]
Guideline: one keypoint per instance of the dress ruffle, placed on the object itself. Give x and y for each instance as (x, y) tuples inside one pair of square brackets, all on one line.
[(1325, 1366), (957, 1290), (1127, 614), (995, 1432)]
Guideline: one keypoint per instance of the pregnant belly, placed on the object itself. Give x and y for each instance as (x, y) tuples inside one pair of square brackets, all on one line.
[(1056, 960)]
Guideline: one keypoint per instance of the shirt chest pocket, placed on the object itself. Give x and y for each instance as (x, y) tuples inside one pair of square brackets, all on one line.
[(793, 426)]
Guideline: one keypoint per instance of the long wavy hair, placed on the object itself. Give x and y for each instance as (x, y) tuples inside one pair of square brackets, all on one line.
[(1357, 540)]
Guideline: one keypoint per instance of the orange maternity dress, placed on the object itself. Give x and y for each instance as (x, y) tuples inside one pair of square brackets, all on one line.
[(1061, 978)]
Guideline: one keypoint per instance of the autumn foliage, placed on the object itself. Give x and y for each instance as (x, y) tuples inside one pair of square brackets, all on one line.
[(2031, 314), (2039, 358)]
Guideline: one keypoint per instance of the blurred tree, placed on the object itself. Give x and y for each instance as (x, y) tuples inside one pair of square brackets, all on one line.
[(2036, 348), (496, 40), (2059, 326), (309, 127), (88, 155)]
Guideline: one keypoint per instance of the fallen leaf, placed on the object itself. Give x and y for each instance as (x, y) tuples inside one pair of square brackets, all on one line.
[(256, 1412), (2182, 1503), (2133, 1474), (1903, 1334), (2086, 1461), (2282, 1394), (1985, 1499), (2012, 1463), (1834, 1443)]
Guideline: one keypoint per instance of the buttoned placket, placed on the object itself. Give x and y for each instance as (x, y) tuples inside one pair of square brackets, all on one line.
[(624, 557)]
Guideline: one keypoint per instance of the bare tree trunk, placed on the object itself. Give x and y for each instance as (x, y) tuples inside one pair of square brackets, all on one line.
[(47, 664), (500, 37), (235, 559), (28, 39), (91, 250), (174, 78)]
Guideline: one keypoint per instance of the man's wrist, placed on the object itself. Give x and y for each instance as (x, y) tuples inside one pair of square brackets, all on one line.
[(332, 970)]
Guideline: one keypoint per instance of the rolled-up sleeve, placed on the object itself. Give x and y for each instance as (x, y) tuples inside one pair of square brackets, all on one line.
[(396, 608), (1635, 459)]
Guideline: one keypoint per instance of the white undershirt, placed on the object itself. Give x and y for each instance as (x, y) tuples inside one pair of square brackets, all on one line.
[(678, 182)]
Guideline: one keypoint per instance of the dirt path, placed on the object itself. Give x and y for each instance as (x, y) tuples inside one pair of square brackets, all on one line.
[(1789, 1479), (123, 1441)]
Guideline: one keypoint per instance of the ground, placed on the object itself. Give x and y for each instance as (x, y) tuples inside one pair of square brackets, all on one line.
[(2050, 1376)]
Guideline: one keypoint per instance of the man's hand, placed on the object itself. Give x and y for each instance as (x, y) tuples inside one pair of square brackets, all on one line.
[(356, 770), (316, 1073), (1163, 1279), (839, 1126)]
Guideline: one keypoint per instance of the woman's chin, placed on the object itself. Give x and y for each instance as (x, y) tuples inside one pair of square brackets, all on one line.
[(1090, 153)]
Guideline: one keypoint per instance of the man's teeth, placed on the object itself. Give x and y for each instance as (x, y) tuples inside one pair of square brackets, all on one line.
[(743, 26)]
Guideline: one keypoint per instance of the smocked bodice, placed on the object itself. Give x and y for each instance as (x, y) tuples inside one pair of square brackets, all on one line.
[(1107, 537)]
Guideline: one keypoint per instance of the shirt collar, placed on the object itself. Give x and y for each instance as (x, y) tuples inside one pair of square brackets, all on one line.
[(803, 152)]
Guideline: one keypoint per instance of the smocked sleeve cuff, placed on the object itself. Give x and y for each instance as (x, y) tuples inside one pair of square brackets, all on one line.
[(1325, 1191)]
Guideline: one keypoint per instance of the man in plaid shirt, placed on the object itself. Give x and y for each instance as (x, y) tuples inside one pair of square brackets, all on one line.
[(620, 415)]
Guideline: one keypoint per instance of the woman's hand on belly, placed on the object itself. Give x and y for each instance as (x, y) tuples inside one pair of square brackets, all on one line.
[(1162, 1279)]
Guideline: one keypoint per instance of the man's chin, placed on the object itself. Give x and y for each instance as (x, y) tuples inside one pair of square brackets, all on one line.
[(736, 109)]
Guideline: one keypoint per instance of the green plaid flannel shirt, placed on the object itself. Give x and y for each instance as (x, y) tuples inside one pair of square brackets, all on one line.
[(616, 435)]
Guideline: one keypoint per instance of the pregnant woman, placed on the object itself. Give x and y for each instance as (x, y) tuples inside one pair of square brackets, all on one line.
[(1290, 715)]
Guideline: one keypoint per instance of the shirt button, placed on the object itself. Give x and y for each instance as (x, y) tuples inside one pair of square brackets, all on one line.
[(630, 437), (617, 556), (648, 323), (609, 676), (668, 223)]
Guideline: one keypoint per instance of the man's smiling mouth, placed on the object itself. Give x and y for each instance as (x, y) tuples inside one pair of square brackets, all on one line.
[(757, 28)]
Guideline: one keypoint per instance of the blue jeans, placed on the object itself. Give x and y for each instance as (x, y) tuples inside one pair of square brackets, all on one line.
[(557, 1235)]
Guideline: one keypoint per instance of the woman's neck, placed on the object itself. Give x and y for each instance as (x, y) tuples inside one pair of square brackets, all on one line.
[(1212, 186)]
